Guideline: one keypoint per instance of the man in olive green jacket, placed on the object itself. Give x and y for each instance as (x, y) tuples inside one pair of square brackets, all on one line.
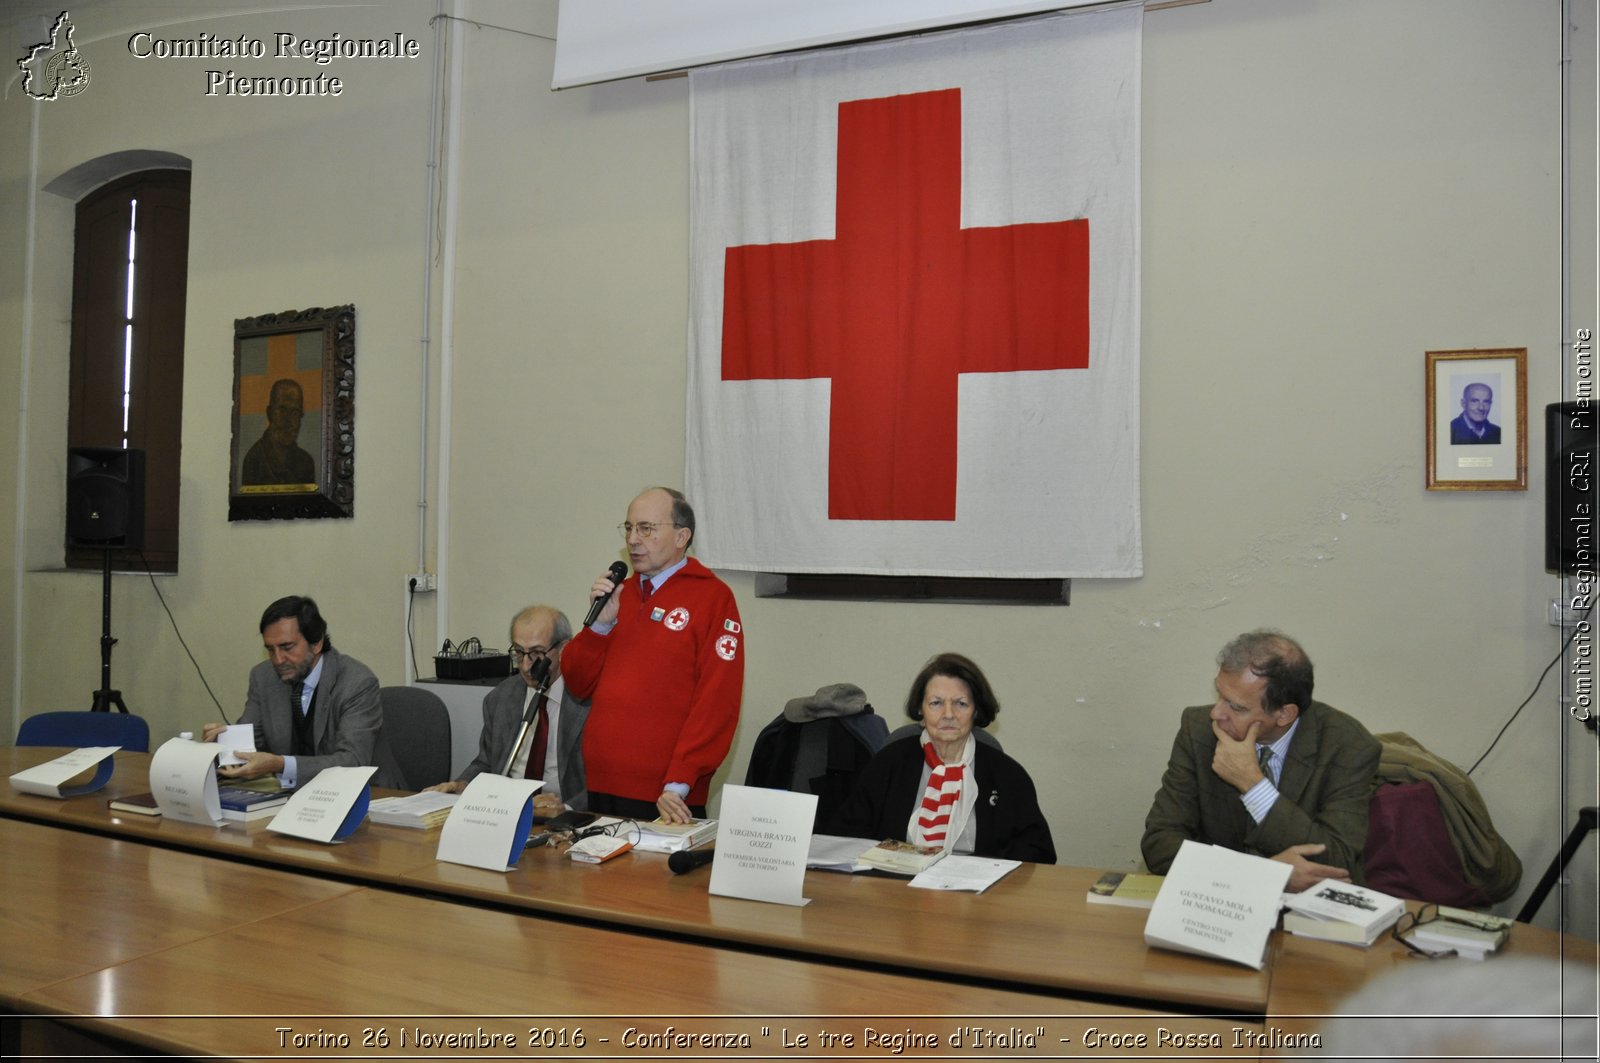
[(1267, 770)]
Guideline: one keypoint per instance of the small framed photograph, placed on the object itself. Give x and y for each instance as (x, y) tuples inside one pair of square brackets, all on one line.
[(1476, 420), (294, 385)]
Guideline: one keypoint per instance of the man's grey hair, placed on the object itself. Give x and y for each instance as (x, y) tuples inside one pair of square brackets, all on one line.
[(1278, 659), (682, 511), (560, 626)]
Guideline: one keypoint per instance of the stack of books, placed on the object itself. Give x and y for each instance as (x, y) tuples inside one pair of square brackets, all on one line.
[(424, 811), (659, 837), (1341, 911), (266, 784), (1473, 935), (241, 804), (1126, 888)]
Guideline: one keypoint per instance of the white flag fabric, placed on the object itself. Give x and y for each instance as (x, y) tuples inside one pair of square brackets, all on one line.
[(914, 322)]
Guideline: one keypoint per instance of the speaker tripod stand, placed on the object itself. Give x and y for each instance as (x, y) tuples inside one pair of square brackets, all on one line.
[(1588, 817), (106, 697)]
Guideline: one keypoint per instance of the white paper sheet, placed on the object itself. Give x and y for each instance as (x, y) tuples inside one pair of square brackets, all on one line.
[(971, 873)]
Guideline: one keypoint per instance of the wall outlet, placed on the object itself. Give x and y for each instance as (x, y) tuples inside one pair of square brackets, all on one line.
[(426, 581), (1561, 614)]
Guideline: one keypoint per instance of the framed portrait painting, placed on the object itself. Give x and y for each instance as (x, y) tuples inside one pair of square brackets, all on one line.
[(1476, 420), (294, 383)]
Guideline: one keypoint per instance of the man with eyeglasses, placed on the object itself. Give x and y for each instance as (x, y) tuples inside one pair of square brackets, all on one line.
[(1267, 770), (664, 666), (552, 747)]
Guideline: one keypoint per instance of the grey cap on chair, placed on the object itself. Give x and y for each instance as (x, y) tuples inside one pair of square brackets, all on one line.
[(835, 699)]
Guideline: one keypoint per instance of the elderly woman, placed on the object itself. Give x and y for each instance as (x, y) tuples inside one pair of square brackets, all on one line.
[(942, 786)]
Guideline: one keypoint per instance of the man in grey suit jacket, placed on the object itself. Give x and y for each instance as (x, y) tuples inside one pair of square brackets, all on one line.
[(538, 633), (338, 721), (1306, 798)]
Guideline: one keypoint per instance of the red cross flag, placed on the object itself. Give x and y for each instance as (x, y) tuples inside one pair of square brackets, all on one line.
[(914, 332)]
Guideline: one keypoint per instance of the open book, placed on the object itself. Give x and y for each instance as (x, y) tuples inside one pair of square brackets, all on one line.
[(902, 858)]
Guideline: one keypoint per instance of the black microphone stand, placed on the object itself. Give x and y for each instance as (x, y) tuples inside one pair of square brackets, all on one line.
[(541, 678), (106, 697)]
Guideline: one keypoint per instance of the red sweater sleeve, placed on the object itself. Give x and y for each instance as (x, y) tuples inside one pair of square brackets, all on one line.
[(713, 717), (582, 662)]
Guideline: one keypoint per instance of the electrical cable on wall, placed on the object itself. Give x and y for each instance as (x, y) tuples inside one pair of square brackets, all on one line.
[(1557, 659), (411, 605), (198, 670)]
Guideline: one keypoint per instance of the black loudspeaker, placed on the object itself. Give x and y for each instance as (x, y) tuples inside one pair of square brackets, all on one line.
[(1569, 487), (105, 499)]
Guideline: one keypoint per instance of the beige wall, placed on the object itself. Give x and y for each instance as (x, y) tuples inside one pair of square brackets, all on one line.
[(1330, 189)]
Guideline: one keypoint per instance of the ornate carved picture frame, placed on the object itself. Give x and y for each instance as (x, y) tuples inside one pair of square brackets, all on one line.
[(294, 386)]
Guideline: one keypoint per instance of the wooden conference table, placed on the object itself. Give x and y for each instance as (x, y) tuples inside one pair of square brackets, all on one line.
[(1032, 931), (152, 947), (348, 935)]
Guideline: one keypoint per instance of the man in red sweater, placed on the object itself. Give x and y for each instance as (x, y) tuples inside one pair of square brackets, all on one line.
[(663, 665)]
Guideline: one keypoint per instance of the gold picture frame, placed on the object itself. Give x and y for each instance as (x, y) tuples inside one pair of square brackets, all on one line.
[(1475, 419)]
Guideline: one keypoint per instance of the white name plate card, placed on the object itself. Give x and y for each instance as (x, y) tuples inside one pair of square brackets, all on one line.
[(763, 838), (490, 822), (329, 807), (183, 780), (50, 778), (1218, 902)]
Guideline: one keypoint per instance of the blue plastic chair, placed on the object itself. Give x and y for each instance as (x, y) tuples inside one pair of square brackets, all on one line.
[(79, 729)]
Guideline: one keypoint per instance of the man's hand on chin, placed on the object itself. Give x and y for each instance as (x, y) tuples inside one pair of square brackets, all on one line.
[(1234, 759), (254, 767), (1306, 873)]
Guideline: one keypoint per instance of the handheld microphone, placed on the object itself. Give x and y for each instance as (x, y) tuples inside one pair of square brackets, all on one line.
[(685, 860), (618, 573)]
